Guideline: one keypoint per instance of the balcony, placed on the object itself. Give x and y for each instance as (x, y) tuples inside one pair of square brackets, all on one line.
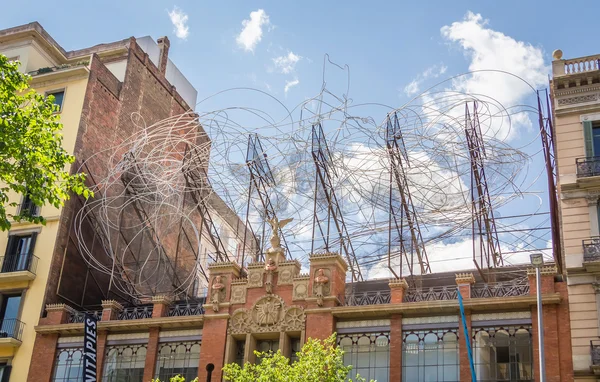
[(587, 167), (18, 267), (11, 332), (591, 254), (595, 353)]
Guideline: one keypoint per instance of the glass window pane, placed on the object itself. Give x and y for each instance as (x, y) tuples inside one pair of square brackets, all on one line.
[(430, 355)]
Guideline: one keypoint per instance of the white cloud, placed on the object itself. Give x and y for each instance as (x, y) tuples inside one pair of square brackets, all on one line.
[(290, 84), (432, 72), (252, 31), (179, 20), (286, 64), (488, 49)]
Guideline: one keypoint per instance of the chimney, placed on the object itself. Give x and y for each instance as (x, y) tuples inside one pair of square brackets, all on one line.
[(163, 58)]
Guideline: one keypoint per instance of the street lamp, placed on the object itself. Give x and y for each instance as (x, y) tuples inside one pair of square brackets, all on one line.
[(537, 260)]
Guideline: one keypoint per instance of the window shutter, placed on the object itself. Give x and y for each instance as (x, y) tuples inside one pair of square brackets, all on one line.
[(6, 374), (588, 139), (32, 244)]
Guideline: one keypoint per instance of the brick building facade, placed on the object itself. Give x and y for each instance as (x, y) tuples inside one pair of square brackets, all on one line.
[(389, 331), (106, 93)]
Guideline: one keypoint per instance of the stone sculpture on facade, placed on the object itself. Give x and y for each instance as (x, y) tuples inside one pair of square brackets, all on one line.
[(276, 225), (216, 291), (320, 281), (270, 268)]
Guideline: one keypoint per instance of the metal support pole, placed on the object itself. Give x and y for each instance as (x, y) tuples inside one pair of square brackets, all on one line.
[(540, 322)]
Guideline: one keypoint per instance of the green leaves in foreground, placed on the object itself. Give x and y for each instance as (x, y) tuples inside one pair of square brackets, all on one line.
[(318, 361), (32, 159)]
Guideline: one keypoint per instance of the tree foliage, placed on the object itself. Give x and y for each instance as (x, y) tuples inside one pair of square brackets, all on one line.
[(32, 159), (177, 378), (317, 361)]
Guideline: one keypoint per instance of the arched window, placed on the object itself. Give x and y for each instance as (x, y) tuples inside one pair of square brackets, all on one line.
[(124, 363), (68, 365), (176, 358), (368, 353), (430, 355), (503, 353)]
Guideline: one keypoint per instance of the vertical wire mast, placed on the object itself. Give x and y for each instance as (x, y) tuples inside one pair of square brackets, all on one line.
[(483, 223), (261, 178), (322, 159), (398, 157), (547, 136)]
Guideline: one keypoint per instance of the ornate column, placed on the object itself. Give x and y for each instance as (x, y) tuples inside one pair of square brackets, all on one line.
[(396, 347), (550, 329), (216, 318), (397, 289), (161, 305), (151, 354), (110, 310), (327, 285), (464, 281)]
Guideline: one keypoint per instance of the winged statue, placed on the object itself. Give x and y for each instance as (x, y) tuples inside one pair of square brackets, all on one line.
[(276, 225)]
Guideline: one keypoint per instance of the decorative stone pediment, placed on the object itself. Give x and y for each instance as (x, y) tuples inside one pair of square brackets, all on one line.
[(268, 314)]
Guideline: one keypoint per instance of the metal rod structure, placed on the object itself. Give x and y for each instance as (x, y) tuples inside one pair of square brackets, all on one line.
[(196, 175), (405, 211), (483, 223), (325, 172), (547, 136), (540, 323), (261, 178)]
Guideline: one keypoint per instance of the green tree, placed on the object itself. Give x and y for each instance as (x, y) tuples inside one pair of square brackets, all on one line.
[(317, 361), (32, 159), (177, 378)]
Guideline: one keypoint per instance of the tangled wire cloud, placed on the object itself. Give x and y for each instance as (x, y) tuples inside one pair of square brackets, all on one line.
[(158, 161)]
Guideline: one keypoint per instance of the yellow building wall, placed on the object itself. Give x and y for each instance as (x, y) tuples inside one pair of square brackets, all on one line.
[(31, 305)]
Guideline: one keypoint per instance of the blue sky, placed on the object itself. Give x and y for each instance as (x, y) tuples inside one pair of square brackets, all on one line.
[(386, 43), (395, 50)]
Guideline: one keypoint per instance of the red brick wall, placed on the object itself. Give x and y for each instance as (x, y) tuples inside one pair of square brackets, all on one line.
[(319, 325), (214, 336), (106, 121), (44, 354), (396, 347)]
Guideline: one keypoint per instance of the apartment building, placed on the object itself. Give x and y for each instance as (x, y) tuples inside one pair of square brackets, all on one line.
[(97, 89), (575, 94)]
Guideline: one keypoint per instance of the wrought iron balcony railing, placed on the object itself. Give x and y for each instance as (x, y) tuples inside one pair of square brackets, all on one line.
[(591, 249), (19, 262), (136, 312), (516, 287), (595, 349), (78, 317), (186, 309), (368, 298), (11, 328), (587, 167), (431, 294)]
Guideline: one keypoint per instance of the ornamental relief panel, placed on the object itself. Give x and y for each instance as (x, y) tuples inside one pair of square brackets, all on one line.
[(300, 289), (255, 278), (268, 314), (238, 294)]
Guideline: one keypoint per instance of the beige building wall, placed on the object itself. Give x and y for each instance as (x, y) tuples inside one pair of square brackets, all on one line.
[(576, 99), (73, 81)]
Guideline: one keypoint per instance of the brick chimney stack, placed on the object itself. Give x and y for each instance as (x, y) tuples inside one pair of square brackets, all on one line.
[(163, 46)]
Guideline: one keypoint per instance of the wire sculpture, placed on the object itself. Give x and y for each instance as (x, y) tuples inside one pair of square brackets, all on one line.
[(160, 209)]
